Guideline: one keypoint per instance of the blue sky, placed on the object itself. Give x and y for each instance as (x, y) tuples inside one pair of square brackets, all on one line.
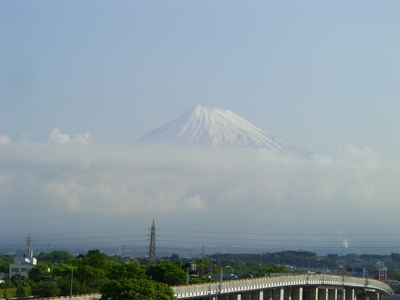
[(322, 74), (318, 73)]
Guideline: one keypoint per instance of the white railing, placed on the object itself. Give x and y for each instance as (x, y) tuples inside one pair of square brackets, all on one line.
[(74, 297), (232, 286)]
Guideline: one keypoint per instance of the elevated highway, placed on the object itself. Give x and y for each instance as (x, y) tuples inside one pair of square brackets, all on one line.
[(288, 287)]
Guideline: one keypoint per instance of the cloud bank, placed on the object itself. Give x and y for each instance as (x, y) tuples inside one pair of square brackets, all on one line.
[(289, 202)]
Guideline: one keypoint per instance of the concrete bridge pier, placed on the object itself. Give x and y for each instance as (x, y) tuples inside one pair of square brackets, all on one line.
[(313, 293), (352, 294), (333, 296), (289, 293), (246, 296), (237, 297), (270, 294), (367, 295), (323, 294), (256, 295), (300, 294), (372, 295), (230, 297)]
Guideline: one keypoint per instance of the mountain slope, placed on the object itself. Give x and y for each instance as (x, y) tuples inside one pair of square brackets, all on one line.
[(210, 126)]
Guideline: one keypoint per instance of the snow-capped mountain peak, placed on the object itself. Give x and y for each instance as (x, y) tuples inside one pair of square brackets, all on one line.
[(211, 126)]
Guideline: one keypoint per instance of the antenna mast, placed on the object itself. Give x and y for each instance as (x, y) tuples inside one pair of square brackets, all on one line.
[(28, 245), (152, 249)]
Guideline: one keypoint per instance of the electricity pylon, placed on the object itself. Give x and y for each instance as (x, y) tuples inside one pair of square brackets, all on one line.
[(152, 248)]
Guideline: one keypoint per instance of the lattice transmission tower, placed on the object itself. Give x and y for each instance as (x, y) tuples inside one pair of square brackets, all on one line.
[(152, 248)]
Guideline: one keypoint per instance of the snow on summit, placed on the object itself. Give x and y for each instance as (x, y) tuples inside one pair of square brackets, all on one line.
[(211, 126)]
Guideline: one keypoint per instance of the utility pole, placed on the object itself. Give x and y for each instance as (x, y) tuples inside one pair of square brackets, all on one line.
[(152, 248)]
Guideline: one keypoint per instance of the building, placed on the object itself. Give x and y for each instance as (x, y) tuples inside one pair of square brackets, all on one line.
[(23, 262), (354, 271), (381, 274)]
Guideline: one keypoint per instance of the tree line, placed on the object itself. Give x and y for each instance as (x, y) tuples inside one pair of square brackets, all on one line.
[(60, 273)]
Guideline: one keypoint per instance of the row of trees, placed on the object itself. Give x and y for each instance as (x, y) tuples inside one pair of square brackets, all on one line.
[(95, 272), (59, 274)]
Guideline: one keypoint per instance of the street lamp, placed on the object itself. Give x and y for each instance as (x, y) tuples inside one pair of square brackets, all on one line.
[(72, 277), (278, 263), (261, 263), (323, 268), (210, 274), (308, 260)]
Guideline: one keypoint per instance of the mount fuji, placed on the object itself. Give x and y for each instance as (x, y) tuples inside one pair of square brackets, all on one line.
[(211, 126)]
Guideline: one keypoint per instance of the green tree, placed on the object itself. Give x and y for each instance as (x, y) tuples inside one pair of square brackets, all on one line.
[(132, 271), (39, 271), (16, 281), (96, 259), (132, 261), (6, 293), (24, 290), (92, 278), (64, 283), (63, 273), (46, 289), (136, 289), (91, 270), (199, 280), (55, 257), (6, 284), (63, 270), (395, 276), (5, 261), (274, 269), (168, 273)]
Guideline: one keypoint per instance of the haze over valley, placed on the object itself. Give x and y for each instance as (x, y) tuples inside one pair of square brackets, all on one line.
[(204, 186)]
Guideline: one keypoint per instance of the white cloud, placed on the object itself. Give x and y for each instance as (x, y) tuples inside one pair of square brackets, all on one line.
[(61, 138), (364, 154), (57, 137), (83, 139), (229, 187), (195, 203), (5, 140)]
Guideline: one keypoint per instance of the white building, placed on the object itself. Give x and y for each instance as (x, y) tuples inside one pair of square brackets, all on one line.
[(23, 262)]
